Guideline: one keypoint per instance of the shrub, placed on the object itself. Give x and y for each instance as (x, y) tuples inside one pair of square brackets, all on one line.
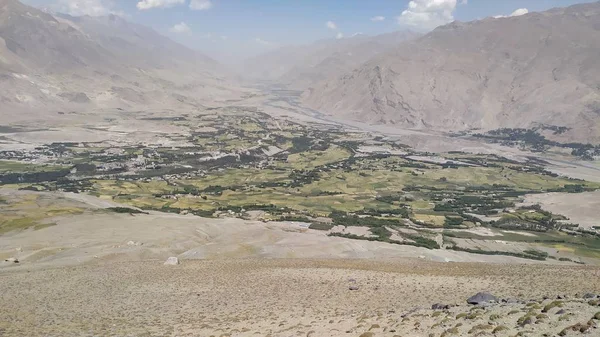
[(452, 331), (525, 319), (481, 327), (555, 304), (494, 317), (499, 328)]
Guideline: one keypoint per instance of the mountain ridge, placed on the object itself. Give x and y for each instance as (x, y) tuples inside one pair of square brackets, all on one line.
[(57, 61), (487, 74), (306, 65)]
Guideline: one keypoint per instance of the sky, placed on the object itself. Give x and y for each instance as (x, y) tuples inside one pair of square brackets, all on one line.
[(234, 29)]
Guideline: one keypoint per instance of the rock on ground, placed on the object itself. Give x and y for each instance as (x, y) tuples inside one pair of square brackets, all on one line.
[(481, 298), (172, 261)]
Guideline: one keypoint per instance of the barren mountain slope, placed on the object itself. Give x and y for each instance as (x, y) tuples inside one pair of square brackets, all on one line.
[(304, 66), (60, 62), (509, 72)]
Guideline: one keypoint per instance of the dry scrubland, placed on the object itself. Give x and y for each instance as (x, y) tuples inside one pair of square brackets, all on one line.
[(290, 297)]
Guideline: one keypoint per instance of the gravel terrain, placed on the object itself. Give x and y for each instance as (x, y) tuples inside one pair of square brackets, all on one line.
[(274, 297)]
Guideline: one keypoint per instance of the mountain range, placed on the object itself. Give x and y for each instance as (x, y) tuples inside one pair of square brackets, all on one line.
[(516, 72), (539, 69), (299, 67), (55, 60)]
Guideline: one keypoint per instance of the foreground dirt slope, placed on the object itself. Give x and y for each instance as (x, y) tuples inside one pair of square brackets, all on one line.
[(273, 297)]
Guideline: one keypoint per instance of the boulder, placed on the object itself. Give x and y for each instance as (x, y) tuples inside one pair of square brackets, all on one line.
[(439, 306), (353, 288), (481, 298), (172, 261), (589, 296)]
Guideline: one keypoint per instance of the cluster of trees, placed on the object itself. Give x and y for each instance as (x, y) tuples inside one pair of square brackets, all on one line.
[(401, 212), (528, 254), (33, 177), (270, 208), (345, 219), (538, 142), (303, 177), (126, 210), (418, 241), (473, 204)]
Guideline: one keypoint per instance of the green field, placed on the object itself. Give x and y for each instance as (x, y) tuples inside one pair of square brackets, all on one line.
[(226, 166)]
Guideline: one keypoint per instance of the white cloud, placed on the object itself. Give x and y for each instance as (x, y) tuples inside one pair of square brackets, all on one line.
[(331, 25), (518, 12), (428, 14), (378, 18), (181, 28), (85, 7), (263, 42), (200, 5), (149, 4), (339, 35)]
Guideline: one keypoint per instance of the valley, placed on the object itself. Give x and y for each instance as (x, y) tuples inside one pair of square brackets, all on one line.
[(438, 182), (313, 174)]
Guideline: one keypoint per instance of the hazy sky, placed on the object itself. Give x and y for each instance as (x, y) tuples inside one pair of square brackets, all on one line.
[(237, 28)]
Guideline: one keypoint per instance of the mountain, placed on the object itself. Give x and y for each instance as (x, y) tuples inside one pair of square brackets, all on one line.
[(58, 61), (540, 68), (302, 66)]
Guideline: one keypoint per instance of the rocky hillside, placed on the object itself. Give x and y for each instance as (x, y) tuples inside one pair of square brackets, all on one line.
[(302, 66), (492, 73), (59, 61)]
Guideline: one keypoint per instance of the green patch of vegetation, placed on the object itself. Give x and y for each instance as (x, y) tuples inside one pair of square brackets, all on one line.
[(499, 329), (536, 142), (321, 226), (523, 255), (16, 224), (8, 166), (474, 315), (43, 225), (494, 317), (450, 332), (126, 210), (481, 327), (319, 173), (554, 304), (526, 319)]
